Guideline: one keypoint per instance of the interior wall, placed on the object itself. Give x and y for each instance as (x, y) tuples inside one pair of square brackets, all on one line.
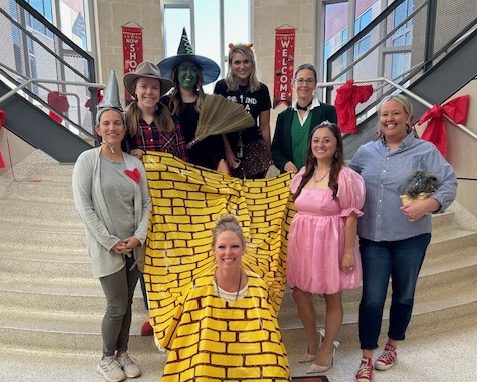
[(13, 150), (462, 151), (111, 16)]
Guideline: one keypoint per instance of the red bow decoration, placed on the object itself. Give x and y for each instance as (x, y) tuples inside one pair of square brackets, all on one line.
[(347, 97), (99, 98), (133, 174), (2, 118), (456, 109), (59, 102)]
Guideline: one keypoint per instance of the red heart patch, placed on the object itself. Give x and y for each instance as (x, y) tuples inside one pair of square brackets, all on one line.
[(133, 174)]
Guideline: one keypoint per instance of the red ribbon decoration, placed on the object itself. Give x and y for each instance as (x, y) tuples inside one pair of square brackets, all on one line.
[(456, 109), (347, 97), (2, 118), (59, 102), (99, 98)]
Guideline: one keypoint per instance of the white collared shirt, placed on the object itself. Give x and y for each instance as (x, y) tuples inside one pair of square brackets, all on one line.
[(314, 103)]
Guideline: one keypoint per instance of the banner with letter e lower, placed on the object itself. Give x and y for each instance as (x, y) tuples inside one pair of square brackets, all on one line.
[(284, 65)]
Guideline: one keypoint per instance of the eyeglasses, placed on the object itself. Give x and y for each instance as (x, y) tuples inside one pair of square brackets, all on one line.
[(308, 81)]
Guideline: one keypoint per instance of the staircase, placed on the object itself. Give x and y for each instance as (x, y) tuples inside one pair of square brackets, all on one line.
[(51, 308)]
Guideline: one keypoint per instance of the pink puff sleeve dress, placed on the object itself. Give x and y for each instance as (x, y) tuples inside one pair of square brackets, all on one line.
[(317, 235)]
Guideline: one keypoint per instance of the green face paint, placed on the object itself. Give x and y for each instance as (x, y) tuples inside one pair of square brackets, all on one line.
[(187, 74)]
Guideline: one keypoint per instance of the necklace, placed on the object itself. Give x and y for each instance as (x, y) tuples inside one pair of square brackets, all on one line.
[(323, 177), (238, 287)]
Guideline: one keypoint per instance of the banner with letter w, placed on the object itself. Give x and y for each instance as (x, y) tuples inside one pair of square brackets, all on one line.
[(284, 65)]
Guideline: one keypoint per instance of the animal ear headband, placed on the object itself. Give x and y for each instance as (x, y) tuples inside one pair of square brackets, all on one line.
[(233, 46)]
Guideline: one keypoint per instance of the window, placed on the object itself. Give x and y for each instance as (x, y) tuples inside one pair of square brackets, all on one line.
[(44, 8), (360, 23), (403, 35), (206, 27)]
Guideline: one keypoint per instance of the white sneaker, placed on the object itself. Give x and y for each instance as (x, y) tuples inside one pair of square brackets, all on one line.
[(110, 369), (130, 368)]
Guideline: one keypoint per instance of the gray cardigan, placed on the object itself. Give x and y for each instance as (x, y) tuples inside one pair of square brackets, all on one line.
[(93, 211)]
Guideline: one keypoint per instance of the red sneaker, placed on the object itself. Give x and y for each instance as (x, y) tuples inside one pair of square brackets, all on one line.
[(387, 359), (365, 371), (146, 329)]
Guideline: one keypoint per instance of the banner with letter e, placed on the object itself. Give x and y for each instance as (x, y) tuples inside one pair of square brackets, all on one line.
[(132, 51), (284, 65)]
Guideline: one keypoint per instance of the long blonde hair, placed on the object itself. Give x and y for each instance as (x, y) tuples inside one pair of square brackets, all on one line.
[(231, 80)]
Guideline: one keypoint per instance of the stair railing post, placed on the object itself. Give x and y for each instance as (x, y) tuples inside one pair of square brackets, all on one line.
[(430, 33)]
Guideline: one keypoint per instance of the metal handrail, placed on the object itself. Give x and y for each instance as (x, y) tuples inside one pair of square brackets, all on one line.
[(78, 101), (48, 81), (404, 90)]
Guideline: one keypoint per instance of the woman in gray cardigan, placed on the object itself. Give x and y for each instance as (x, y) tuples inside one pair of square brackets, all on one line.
[(111, 196)]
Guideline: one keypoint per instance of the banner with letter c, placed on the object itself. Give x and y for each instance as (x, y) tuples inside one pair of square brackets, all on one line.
[(132, 51), (284, 65)]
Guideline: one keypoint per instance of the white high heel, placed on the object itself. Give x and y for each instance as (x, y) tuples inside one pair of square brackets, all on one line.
[(311, 357), (314, 368)]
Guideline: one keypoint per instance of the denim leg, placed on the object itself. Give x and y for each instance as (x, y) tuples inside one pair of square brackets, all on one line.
[(376, 260), (408, 256)]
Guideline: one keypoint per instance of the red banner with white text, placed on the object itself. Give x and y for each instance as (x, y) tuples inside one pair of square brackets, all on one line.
[(284, 64), (132, 51)]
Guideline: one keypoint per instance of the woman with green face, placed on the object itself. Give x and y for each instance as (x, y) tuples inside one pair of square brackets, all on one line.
[(189, 73)]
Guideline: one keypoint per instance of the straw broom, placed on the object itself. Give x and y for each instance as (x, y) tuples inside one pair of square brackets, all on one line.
[(219, 116)]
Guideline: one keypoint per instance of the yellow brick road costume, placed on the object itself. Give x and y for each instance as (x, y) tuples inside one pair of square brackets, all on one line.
[(208, 338)]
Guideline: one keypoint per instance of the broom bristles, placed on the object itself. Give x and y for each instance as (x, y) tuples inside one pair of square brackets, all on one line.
[(219, 116)]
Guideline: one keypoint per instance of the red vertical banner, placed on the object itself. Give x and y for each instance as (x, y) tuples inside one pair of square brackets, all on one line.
[(284, 65), (132, 51)]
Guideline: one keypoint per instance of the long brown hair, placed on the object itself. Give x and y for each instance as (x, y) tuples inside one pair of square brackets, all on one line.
[(162, 118), (175, 100), (336, 163)]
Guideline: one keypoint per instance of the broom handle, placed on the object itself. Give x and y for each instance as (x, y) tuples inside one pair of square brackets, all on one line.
[(192, 143)]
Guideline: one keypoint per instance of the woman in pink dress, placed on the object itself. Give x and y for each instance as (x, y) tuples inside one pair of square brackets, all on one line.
[(323, 255)]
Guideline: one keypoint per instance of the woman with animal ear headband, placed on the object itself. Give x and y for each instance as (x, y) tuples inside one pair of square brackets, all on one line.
[(393, 237), (247, 152)]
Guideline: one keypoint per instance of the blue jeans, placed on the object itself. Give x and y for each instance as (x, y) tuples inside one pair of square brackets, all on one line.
[(401, 260)]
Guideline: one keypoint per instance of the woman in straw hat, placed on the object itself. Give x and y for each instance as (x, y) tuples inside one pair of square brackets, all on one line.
[(150, 124), (111, 196), (248, 151), (189, 73)]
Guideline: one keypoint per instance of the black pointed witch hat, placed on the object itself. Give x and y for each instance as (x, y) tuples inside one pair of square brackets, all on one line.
[(185, 53)]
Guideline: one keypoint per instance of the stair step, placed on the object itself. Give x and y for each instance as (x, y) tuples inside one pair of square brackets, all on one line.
[(48, 191), (80, 298), (42, 237), (17, 211)]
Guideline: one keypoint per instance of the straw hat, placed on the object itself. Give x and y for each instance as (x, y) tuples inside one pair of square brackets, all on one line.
[(146, 69), (185, 53)]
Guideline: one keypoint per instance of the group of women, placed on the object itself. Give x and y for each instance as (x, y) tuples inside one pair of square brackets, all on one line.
[(335, 204)]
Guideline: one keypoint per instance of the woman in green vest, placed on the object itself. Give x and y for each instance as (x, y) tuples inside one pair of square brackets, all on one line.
[(292, 133)]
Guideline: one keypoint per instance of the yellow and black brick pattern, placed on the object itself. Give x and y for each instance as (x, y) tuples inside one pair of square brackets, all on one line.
[(187, 200)]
